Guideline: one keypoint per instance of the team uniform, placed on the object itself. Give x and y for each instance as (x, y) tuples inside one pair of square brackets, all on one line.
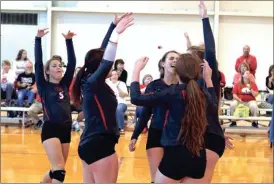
[(55, 97), (158, 117), (214, 137), (177, 161), (99, 104)]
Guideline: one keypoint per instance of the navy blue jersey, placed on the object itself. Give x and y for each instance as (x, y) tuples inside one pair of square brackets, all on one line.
[(99, 101), (158, 112), (173, 98), (55, 97), (99, 104), (210, 55)]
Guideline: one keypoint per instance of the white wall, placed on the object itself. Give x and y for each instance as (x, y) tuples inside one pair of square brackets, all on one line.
[(152, 30), (234, 33), (143, 38), (265, 7), (16, 37)]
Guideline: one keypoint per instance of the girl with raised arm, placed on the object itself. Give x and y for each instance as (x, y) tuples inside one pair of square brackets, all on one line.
[(56, 131), (215, 141), (183, 132), (100, 135), (154, 147)]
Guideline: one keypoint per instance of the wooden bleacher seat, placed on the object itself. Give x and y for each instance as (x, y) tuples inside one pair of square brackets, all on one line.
[(250, 118)]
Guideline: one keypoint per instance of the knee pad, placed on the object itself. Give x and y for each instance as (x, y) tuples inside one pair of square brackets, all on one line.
[(58, 175)]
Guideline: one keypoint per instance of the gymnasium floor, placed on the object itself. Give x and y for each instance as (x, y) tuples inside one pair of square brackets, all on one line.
[(23, 159)]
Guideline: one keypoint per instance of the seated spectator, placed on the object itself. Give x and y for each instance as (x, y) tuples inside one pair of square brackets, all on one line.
[(75, 106), (19, 63), (242, 68), (247, 58), (25, 84), (35, 109), (146, 80), (270, 84), (119, 66), (120, 90), (245, 92), (7, 82)]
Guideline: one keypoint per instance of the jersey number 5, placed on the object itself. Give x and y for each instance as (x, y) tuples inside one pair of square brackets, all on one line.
[(61, 95)]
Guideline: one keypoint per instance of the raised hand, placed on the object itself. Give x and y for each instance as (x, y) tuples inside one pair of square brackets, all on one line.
[(124, 23), (141, 63), (202, 9), (42, 32), (117, 18), (207, 71), (69, 35), (186, 35)]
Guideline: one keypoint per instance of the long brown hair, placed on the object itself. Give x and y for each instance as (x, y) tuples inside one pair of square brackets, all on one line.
[(194, 122), (92, 61)]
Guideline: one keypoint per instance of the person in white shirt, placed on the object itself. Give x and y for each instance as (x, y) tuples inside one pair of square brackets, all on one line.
[(19, 64), (7, 82), (120, 90)]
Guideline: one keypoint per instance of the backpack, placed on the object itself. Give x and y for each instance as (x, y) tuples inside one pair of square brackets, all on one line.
[(241, 111), (12, 114)]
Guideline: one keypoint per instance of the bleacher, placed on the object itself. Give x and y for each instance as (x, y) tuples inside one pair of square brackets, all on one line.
[(243, 127)]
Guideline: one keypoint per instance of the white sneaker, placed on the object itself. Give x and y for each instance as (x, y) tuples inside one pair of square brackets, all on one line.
[(76, 126)]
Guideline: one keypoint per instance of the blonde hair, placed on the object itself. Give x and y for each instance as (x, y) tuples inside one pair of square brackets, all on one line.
[(6, 62)]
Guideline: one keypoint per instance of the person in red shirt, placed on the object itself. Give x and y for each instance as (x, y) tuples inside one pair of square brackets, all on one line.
[(245, 92), (248, 58), (242, 68)]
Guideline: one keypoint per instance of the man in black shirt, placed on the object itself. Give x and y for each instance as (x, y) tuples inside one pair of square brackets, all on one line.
[(25, 82)]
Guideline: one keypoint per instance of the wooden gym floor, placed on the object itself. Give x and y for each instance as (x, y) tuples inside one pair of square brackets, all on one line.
[(23, 159)]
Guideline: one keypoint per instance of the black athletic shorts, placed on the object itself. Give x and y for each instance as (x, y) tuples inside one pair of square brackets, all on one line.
[(154, 138), (77, 108), (58, 130), (178, 163), (98, 147), (215, 143)]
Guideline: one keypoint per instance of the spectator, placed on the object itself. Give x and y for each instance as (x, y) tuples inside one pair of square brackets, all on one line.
[(7, 82), (19, 63), (25, 85), (75, 106), (269, 84), (146, 80), (244, 92), (242, 68), (120, 90), (119, 67), (35, 109), (247, 58)]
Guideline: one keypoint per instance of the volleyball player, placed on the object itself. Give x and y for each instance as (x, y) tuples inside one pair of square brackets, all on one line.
[(215, 141), (97, 144), (183, 134), (153, 147), (56, 130)]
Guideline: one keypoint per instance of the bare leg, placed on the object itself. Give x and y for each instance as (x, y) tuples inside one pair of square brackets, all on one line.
[(87, 175), (105, 170), (54, 151), (154, 156)]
